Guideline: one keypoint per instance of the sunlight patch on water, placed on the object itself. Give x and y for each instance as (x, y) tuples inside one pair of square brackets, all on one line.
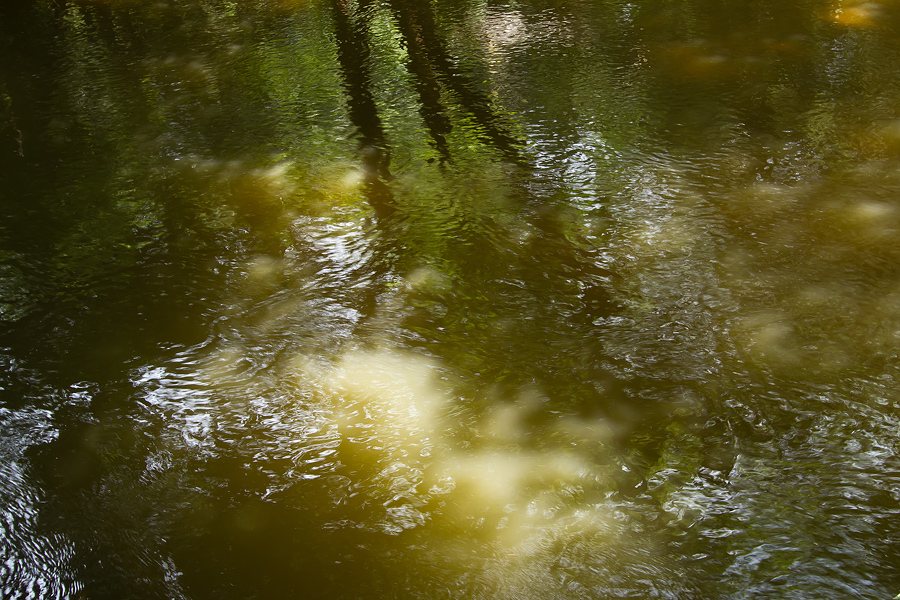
[(697, 60), (262, 271), (393, 392), (352, 179), (866, 223), (427, 279), (408, 458), (762, 200), (856, 13), (771, 337)]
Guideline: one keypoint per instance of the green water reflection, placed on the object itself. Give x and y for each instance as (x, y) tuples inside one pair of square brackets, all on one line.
[(450, 299)]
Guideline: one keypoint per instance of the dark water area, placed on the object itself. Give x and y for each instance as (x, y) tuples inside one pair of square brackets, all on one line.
[(551, 299)]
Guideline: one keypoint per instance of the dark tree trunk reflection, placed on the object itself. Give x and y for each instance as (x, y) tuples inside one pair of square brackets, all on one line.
[(354, 56)]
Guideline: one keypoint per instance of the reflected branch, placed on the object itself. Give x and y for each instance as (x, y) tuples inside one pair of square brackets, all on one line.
[(420, 64), (354, 56), (430, 62)]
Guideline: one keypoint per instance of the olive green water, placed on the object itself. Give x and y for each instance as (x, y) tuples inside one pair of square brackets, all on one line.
[(543, 299)]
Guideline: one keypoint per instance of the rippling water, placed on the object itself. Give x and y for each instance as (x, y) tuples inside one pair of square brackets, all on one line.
[(332, 299)]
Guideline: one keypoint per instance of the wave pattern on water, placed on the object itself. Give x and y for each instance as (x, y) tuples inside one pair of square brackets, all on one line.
[(33, 564)]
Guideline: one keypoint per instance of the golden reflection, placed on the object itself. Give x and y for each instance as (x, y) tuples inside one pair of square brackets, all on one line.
[(854, 224), (263, 271), (263, 188), (770, 338), (489, 479), (697, 60), (409, 447), (889, 135), (428, 280), (764, 199), (395, 394), (856, 13), (352, 179)]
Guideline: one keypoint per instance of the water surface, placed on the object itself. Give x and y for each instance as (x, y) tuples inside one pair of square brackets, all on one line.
[(451, 299)]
